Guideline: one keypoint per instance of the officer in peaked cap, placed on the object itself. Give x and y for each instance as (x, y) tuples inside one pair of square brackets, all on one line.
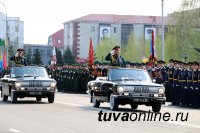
[(115, 59), (18, 58)]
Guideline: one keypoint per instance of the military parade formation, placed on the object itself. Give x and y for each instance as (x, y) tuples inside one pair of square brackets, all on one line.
[(181, 80)]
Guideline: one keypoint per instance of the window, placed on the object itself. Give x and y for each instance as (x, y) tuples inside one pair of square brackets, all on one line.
[(48, 52), (115, 29), (59, 41), (125, 33), (93, 29)]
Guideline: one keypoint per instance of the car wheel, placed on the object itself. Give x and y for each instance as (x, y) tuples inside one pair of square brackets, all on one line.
[(156, 107), (13, 97), (4, 97), (38, 99), (113, 103), (51, 98), (95, 102), (134, 106)]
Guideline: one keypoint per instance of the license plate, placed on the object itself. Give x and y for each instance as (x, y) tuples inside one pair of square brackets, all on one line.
[(140, 99), (35, 93)]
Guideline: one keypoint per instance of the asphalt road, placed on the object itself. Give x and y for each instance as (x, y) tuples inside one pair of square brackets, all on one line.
[(72, 113)]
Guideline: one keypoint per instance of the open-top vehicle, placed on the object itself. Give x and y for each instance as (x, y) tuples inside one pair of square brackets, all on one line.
[(126, 86), (27, 81)]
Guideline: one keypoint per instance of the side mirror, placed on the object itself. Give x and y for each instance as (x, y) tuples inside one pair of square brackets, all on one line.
[(154, 81)]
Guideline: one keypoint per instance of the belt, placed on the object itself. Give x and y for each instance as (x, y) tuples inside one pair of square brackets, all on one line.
[(170, 78), (175, 79), (182, 80), (195, 81)]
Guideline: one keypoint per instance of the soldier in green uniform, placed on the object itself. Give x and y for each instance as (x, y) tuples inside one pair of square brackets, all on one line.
[(115, 59), (18, 58)]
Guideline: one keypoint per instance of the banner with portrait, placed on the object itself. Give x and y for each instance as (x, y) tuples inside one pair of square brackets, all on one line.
[(104, 31), (148, 31)]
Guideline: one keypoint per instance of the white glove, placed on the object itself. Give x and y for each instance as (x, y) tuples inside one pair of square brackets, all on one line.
[(17, 54), (112, 52)]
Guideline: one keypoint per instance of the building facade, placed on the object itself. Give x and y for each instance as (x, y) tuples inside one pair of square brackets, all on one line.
[(57, 41), (13, 28), (45, 52), (77, 33)]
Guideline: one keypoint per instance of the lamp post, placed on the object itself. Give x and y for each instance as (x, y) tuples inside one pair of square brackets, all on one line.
[(7, 39), (163, 33)]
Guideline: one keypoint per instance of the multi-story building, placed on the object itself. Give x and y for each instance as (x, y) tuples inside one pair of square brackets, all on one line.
[(77, 33), (56, 40), (45, 51)]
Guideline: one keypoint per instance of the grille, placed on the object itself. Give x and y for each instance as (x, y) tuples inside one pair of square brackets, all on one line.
[(137, 89), (35, 84)]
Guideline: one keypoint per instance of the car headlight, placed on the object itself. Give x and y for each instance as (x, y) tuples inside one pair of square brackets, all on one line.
[(53, 84), (161, 90), (120, 89), (18, 84)]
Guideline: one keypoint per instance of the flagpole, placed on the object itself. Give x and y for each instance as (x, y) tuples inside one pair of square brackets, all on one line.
[(163, 33)]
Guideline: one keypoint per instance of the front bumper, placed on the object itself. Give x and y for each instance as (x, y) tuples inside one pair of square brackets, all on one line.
[(33, 93), (140, 99)]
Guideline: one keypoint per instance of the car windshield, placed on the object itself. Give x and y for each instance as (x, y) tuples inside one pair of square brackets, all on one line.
[(129, 74), (18, 72)]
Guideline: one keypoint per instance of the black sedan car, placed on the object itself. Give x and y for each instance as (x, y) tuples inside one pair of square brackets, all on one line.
[(27, 81), (126, 86)]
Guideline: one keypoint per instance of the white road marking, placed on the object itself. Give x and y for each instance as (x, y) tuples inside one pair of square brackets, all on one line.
[(104, 110), (14, 130)]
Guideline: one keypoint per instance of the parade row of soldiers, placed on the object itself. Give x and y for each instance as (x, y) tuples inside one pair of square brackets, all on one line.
[(181, 80)]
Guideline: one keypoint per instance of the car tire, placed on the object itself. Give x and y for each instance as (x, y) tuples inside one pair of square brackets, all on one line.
[(95, 102), (156, 106), (4, 97), (38, 99), (13, 97), (51, 98), (113, 103), (134, 106)]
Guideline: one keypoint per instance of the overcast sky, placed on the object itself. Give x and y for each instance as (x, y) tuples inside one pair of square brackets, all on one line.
[(44, 17)]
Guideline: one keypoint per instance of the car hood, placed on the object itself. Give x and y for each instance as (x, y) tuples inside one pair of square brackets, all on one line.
[(26, 79), (140, 83)]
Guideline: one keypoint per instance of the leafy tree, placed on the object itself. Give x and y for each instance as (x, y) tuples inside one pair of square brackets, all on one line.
[(10, 53), (37, 57), (59, 57), (185, 31), (104, 47), (68, 57)]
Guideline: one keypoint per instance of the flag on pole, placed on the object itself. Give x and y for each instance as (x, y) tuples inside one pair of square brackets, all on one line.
[(153, 56), (91, 54), (4, 60), (53, 58)]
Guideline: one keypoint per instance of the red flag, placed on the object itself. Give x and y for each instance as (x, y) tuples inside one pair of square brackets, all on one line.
[(4, 60), (91, 55)]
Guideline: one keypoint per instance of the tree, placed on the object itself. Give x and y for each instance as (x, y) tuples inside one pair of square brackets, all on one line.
[(104, 47), (59, 57), (10, 53), (29, 56), (68, 57), (186, 31), (37, 57)]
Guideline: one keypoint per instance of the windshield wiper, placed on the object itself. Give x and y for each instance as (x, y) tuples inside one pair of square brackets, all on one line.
[(18, 76), (117, 79)]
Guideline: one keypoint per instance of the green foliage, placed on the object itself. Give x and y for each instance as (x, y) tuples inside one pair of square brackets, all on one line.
[(59, 57), (185, 35), (68, 57), (37, 57), (104, 47)]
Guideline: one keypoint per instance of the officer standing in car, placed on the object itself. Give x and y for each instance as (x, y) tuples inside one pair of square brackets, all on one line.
[(18, 58), (115, 59)]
